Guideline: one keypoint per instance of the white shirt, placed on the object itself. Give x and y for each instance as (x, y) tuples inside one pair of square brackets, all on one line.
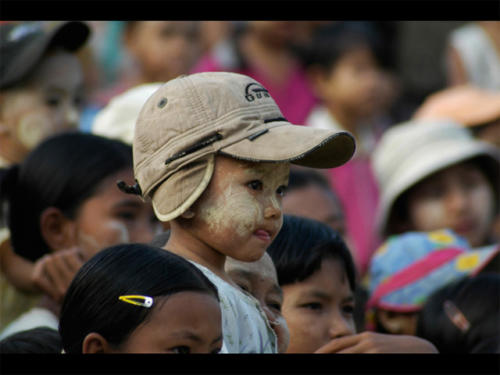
[(479, 55), (34, 318), (245, 327)]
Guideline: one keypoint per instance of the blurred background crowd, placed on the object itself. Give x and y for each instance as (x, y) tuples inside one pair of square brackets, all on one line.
[(421, 98)]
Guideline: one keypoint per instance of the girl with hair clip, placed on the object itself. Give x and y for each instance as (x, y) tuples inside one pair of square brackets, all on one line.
[(63, 206), (111, 307), (464, 317), (317, 275)]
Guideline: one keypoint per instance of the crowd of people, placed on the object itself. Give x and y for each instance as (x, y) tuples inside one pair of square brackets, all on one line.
[(246, 187)]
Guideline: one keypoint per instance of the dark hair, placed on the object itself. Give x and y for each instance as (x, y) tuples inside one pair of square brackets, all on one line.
[(91, 303), (301, 246), (332, 41), (63, 172), (398, 220), (300, 177), (37, 340), (478, 299)]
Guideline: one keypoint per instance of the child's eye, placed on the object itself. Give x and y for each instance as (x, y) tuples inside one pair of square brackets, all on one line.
[(255, 185), (348, 309), (181, 350), (312, 306), (52, 101), (275, 306), (281, 191), (126, 215)]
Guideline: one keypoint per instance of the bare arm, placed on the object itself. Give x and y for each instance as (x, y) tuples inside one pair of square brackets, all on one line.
[(371, 342)]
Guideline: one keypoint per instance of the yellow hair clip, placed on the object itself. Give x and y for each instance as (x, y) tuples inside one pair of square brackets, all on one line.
[(137, 300)]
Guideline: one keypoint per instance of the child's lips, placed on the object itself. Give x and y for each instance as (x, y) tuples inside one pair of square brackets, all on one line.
[(262, 234)]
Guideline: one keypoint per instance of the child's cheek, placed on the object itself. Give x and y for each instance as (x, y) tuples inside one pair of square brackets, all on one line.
[(234, 210), (33, 128), (113, 233)]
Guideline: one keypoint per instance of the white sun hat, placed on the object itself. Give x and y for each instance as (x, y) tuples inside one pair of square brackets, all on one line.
[(411, 151), (117, 119)]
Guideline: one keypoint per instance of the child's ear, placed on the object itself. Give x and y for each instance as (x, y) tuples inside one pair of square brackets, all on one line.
[(94, 343), (57, 230)]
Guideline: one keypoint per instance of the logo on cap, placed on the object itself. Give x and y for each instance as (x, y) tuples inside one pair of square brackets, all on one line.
[(254, 90)]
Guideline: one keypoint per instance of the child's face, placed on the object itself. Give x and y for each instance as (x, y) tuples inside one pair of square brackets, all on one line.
[(315, 203), (182, 323), (459, 198), (47, 104), (351, 86), (239, 214), (319, 308), (260, 280), (164, 49), (111, 217)]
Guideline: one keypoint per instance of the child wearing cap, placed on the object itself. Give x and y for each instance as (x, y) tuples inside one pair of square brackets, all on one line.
[(212, 150), (409, 267), (40, 92), (433, 174)]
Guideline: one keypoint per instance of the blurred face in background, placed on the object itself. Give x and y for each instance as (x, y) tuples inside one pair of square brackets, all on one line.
[(162, 49), (459, 198), (47, 103), (352, 83), (276, 33), (111, 217)]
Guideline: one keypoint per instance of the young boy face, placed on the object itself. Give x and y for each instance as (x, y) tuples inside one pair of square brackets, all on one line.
[(239, 214), (48, 103), (319, 308), (164, 49), (352, 84), (315, 203), (459, 198), (261, 281)]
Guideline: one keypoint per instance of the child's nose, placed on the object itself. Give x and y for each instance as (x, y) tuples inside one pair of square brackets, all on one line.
[(340, 327), (272, 211)]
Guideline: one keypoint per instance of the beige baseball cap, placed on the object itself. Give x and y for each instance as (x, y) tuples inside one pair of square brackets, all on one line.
[(409, 152), (193, 117)]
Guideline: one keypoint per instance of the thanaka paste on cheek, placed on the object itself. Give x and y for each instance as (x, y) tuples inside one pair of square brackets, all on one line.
[(32, 129), (234, 209), (118, 234)]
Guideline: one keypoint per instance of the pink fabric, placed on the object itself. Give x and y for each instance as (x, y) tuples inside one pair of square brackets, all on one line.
[(357, 189), (295, 97)]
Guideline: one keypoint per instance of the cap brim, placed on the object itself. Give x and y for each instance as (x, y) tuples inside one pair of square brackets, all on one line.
[(302, 145)]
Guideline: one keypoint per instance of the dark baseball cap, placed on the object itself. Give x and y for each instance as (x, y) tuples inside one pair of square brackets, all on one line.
[(22, 45)]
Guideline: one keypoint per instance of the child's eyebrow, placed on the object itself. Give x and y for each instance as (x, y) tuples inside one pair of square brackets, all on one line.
[(187, 335)]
